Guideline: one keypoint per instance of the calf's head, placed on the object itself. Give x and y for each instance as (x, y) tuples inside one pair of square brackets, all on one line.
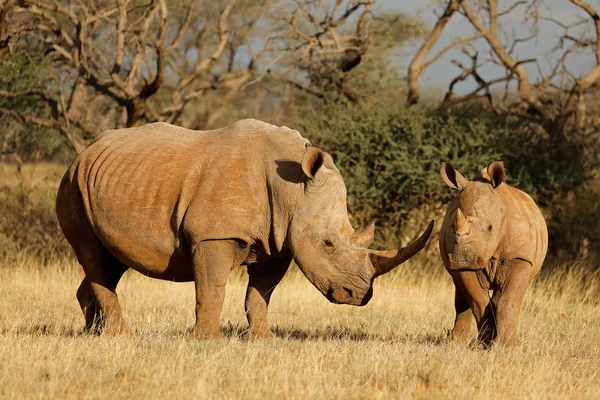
[(334, 257), (478, 221)]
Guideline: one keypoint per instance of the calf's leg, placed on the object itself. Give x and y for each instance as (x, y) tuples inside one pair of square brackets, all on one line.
[(464, 316), (481, 306), (510, 300)]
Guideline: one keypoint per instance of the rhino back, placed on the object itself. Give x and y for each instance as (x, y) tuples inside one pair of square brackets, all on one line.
[(140, 186)]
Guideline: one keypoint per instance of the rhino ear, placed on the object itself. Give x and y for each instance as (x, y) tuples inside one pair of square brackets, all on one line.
[(313, 160), (496, 173), (452, 177)]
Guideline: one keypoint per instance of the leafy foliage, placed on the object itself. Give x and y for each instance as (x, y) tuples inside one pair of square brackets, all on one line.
[(20, 73), (389, 156), (350, 103), (28, 225)]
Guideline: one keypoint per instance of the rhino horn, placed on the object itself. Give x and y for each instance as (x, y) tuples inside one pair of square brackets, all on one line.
[(385, 261), (462, 225), (364, 237)]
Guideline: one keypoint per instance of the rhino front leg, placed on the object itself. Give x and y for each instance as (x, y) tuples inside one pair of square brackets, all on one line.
[(509, 302), (263, 278), (481, 305), (212, 262), (464, 317)]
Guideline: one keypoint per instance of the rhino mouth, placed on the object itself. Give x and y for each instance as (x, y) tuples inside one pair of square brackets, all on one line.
[(367, 298), (348, 295)]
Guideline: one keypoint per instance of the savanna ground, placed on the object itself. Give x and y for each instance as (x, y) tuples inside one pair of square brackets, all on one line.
[(392, 348)]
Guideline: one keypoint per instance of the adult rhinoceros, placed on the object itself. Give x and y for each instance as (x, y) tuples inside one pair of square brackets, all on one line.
[(184, 205)]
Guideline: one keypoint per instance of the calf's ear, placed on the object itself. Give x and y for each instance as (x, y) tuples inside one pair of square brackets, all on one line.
[(452, 177), (496, 173), (312, 160)]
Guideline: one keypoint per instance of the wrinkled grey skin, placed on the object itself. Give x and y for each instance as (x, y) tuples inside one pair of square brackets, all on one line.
[(494, 237), (185, 205)]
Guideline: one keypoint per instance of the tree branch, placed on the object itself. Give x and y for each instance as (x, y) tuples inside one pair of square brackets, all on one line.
[(416, 66)]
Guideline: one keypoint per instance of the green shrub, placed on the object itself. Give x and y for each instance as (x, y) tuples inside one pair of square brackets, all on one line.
[(19, 73), (389, 157), (28, 225)]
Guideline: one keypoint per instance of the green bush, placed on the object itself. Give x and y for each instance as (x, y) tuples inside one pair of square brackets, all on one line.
[(28, 225), (389, 157), (19, 73)]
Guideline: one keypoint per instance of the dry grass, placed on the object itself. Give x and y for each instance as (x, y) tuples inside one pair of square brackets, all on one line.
[(392, 348), (31, 175)]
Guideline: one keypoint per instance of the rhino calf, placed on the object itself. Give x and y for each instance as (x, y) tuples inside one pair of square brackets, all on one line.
[(493, 237), (184, 205)]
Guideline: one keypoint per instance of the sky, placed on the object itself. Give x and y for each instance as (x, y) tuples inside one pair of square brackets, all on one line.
[(441, 73)]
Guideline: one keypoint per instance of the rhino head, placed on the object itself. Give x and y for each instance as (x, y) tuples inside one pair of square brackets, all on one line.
[(334, 257), (478, 221)]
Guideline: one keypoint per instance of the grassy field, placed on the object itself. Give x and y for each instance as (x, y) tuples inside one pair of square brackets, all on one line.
[(392, 348)]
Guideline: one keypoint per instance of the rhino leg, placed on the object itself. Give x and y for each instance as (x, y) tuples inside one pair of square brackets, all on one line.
[(212, 262), (96, 294), (87, 302), (464, 316), (481, 306), (103, 272), (263, 278), (509, 301)]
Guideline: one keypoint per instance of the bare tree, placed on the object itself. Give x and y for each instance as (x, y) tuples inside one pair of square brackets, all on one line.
[(124, 63), (132, 63), (326, 40), (556, 100)]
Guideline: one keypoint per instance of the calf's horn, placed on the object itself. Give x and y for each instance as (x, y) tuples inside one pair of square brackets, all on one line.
[(385, 261), (364, 237), (462, 225)]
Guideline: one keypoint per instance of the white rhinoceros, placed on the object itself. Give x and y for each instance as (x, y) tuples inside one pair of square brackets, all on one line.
[(494, 237), (185, 205)]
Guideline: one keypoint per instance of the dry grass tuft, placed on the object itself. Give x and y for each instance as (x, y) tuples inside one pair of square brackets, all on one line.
[(392, 348)]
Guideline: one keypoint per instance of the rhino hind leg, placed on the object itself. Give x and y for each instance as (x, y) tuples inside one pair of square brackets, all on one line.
[(263, 279), (87, 302), (97, 293)]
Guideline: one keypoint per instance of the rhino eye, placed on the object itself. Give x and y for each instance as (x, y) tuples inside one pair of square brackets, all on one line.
[(490, 228), (328, 243)]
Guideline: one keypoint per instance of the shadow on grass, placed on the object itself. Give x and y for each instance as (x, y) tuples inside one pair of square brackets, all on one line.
[(329, 333), (332, 333), (40, 329), (239, 332)]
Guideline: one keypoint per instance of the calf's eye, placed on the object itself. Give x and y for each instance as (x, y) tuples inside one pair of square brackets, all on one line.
[(490, 228), (328, 243)]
